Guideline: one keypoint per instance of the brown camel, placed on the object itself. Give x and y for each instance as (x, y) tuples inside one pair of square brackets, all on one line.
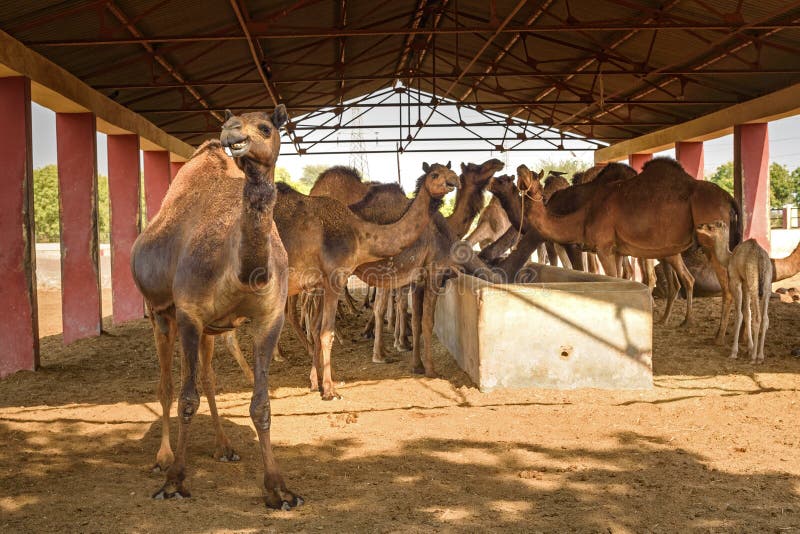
[(652, 215), (332, 241), (750, 272), (427, 259), (492, 223), (210, 259)]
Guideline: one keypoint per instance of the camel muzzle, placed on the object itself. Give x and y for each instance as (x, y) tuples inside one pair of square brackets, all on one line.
[(235, 143)]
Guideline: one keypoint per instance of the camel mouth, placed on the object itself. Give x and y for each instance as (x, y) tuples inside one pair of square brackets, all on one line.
[(237, 149)]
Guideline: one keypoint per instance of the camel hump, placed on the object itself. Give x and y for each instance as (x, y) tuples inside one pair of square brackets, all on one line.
[(383, 204)]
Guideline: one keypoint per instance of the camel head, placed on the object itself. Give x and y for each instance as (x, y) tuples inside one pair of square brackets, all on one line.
[(555, 181), (478, 176), (528, 182), (501, 186), (713, 231), (438, 179), (253, 140)]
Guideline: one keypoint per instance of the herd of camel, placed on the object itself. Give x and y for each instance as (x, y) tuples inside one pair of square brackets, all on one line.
[(230, 245)]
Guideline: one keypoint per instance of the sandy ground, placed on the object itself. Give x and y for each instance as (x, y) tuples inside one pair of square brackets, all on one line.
[(715, 446)]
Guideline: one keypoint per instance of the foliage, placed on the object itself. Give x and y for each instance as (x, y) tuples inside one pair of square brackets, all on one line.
[(569, 166), (784, 185), (46, 211), (310, 174), (723, 177), (282, 175)]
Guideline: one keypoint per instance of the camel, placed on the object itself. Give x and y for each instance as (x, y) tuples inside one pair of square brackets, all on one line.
[(629, 218), (555, 181), (331, 242), (210, 259), (492, 223), (423, 262), (750, 277)]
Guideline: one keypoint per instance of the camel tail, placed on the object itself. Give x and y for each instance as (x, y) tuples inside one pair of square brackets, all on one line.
[(735, 225)]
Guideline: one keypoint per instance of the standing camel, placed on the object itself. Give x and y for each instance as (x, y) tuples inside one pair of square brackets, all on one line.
[(652, 215), (326, 242), (750, 276), (492, 223), (210, 259)]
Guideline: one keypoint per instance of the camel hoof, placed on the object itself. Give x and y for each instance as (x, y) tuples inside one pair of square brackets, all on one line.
[(331, 396), (734, 356), (157, 468), (368, 335), (418, 370), (282, 500), (402, 347), (431, 374), (227, 455), (719, 340), (168, 491)]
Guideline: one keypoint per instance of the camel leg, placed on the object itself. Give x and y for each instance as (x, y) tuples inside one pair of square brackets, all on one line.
[(609, 262), (563, 256), (619, 266), (592, 263), (294, 320), (736, 291), (379, 310), (762, 333), (724, 283), (672, 289), (541, 253), (390, 308), (417, 296), (552, 257), (748, 320), (330, 300), (350, 302), (627, 269), (222, 445), (188, 401), (687, 281), (264, 340), (313, 326), (369, 328), (233, 347), (165, 348), (428, 310), (401, 336), (585, 260)]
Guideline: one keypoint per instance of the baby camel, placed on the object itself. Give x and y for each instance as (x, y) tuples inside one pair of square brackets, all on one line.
[(750, 282)]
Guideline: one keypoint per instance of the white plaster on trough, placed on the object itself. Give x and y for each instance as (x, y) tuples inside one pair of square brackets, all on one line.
[(568, 330)]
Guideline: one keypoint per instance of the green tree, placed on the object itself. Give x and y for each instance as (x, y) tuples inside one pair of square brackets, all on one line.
[(782, 186), (103, 210), (723, 177), (45, 204), (310, 174), (568, 166)]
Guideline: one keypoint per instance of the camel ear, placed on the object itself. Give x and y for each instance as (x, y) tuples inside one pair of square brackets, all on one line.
[(463, 167), (228, 115), (279, 116), (425, 167), (448, 164)]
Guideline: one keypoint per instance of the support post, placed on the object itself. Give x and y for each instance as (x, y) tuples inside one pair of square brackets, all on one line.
[(81, 303), (751, 179), (124, 194), (174, 167), (19, 323), (637, 161), (156, 179), (690, 155)]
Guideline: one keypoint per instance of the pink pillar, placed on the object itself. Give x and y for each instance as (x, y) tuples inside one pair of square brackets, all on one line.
[(123, 192), (156, 180), (19, 325), (751, 179), (174, 167), (637, 161), (690, 155), (77, 187)]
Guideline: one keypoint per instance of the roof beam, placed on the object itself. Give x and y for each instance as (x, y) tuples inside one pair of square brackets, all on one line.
[(773, 106), (59, 90)]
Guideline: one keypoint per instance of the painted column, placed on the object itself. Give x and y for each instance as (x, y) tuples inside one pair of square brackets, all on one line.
[(637, 161), (751, 179), (691, 156), (156, 179), (19, 324), (123, 193), (77, 201), (174, 167)]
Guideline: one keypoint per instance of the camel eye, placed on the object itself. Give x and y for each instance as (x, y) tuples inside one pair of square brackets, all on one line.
[(264, 129), (435, 175)]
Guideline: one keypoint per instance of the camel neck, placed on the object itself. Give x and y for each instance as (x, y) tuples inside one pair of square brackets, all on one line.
[(256, 224), (387, 240), (469, 201), (561, 228), (787, 267)]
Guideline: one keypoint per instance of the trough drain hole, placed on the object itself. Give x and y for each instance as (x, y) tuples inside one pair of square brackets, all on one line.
[(566, 352)]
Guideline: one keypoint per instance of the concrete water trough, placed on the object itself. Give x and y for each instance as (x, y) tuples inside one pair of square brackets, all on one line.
[(566, 330)]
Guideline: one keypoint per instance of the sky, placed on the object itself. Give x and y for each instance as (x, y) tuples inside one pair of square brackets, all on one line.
[(784, 140)]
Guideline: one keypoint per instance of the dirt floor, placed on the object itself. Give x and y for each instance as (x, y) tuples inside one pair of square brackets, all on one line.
[(715, 446)]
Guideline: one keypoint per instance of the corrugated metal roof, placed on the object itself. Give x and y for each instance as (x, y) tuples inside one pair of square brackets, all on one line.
[(593, 68)]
